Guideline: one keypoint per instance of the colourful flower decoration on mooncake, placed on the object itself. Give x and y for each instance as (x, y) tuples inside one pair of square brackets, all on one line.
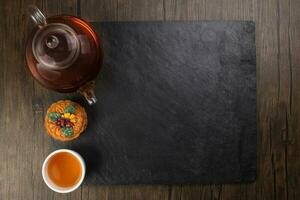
[(65, 120)]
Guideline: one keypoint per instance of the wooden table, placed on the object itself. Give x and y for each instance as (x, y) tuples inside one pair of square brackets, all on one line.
[(23, 141)]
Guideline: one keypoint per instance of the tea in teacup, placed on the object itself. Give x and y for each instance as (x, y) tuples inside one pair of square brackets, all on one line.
[(63, 170)]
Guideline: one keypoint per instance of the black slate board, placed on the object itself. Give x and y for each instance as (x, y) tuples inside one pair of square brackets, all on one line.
[(177, 104)]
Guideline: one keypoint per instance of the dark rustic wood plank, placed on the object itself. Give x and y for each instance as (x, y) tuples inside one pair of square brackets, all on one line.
[(16, 121), (71, 7), (293, 129), (281, 102), (3, 188), (95, 192), (184, 10), (135, 10), (105, 10), (120, 10), (238, 10), (271, 106), (137, 192)]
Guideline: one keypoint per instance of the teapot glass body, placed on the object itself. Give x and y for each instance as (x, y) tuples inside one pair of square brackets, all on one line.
[(64, 54)]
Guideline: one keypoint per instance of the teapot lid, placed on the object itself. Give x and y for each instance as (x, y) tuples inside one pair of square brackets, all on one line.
[(55, 46)]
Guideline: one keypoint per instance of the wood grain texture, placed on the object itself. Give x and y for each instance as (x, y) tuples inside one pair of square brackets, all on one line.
[(24, 144)]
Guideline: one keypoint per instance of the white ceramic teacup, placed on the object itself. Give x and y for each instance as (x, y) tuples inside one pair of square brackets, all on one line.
[(51, 184)]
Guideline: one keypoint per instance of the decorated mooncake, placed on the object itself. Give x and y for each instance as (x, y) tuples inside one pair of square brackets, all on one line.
[(65, 120)]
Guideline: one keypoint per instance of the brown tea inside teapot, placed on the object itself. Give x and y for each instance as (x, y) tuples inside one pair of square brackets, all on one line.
[(63, 53)]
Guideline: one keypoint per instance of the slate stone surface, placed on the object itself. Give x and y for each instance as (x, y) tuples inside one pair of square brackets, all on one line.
[(177, 104)]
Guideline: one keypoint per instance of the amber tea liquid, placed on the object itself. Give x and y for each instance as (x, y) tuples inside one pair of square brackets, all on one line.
[(64, 169)]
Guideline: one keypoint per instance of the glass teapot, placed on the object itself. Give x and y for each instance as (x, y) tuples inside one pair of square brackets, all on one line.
[(63, 53)]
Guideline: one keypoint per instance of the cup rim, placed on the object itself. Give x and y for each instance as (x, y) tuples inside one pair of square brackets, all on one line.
[(44, 171)]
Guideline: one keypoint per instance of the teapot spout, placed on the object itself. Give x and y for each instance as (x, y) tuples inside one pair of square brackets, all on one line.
[(88, 91)]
